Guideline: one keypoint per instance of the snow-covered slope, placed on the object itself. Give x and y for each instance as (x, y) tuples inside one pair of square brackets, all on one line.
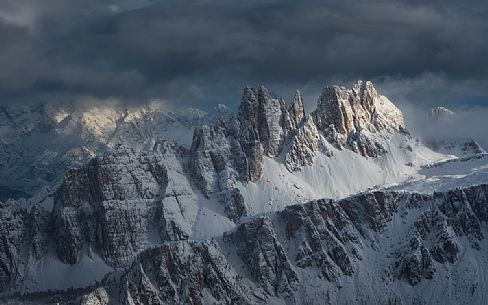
[(446, 175)]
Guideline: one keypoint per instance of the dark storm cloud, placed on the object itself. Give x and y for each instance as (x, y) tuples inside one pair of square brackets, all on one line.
[(206, 51)]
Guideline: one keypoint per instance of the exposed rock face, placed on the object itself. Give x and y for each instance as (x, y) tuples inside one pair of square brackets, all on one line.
[(12, 228), (351, 117), (113, 205), (24, 235), (217, 163), (297, 109), (331, 243), (233, 151), (108, 206), (72, 134), (351, 110), (319, 242), (455, 214), (260, 120), (304, 146), (359, 119)]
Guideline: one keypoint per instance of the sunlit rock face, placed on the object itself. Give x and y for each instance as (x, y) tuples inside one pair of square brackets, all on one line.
[(357, 118)]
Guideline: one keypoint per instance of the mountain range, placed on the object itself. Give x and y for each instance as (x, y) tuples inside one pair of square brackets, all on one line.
[(267, 205)]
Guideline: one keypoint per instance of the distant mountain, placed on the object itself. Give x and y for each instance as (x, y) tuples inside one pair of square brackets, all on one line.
[(441, 117), (41, 142), (442, 113)]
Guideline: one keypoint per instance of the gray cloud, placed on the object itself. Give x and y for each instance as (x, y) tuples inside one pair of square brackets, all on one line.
[(204, 52)]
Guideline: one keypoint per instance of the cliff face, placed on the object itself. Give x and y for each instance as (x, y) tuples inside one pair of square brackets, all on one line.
[(351, 110), (183, 273), (108, 206)]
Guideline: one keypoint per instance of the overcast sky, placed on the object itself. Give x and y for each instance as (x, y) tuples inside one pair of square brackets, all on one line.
[(204, 52)]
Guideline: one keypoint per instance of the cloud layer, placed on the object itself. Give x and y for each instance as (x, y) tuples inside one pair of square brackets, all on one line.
[(204, 52)]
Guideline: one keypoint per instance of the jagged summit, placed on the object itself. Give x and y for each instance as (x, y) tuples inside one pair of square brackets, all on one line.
[(297, 109), (360, 107), (356, 120)]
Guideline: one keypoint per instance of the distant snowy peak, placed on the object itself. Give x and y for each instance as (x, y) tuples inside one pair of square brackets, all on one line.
[(440, 119), (39, 143), (442, 113)]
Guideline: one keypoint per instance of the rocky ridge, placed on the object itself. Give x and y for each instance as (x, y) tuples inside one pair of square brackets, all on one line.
[(358, 119), (337, 244), (324, 251)]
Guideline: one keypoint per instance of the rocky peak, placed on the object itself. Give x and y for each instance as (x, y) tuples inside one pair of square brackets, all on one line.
[(257, 245), (261, 119), (359, 119), (350, 118), (248, 106), (297, 110), (351, 110), (236, 148)]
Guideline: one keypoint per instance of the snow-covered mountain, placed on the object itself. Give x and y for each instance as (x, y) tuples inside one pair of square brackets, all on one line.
[(440, 118), (40, 143), (238, 215)]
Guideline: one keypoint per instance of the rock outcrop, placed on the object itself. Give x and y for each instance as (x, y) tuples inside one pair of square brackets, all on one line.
[(359, 119)]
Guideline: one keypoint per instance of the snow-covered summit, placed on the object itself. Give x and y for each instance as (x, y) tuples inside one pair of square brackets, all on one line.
[(441, 113), (441, 139)]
